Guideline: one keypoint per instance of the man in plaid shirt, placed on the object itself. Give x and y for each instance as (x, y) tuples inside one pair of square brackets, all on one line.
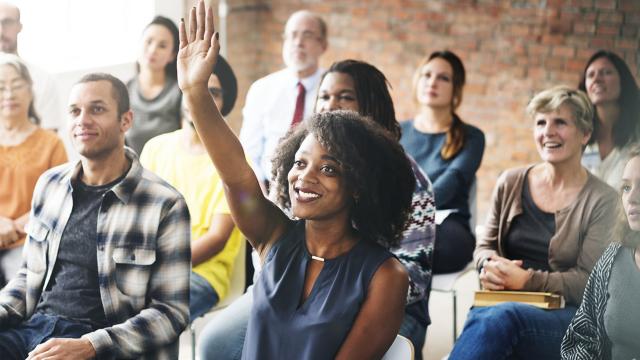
[(107, 258)]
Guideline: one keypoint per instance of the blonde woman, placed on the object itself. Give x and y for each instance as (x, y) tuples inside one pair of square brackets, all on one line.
[(547, 226)]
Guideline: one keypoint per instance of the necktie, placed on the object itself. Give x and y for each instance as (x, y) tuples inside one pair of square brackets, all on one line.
[(298, 113)]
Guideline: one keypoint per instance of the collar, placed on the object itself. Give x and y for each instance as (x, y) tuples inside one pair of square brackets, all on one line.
[(122, 190), (310, 82)]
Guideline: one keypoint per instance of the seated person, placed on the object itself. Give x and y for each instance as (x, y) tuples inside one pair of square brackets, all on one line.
[(26, 151), (449, 151), (606, 323), (548, 225), (107, 258), (328, 288), (358, 86), (615, 96), (181, 159)]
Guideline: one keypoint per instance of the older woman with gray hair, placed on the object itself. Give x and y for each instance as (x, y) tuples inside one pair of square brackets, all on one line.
[(26, 151), (548, 225)]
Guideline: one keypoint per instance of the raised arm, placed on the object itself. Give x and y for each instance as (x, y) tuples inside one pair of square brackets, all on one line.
[(260, 220)]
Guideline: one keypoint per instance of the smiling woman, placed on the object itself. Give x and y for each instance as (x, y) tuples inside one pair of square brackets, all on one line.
[(335, 170), (548, 224)]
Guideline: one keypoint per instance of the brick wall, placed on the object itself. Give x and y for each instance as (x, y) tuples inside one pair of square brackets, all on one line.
[(511, 50)]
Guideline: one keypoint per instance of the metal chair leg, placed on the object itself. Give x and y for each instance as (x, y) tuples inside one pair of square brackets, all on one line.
[(455, 315), (192, 329)]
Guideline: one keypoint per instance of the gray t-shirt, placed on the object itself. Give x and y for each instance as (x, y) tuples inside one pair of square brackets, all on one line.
[(153, 117), (622, 315), (74, 291)]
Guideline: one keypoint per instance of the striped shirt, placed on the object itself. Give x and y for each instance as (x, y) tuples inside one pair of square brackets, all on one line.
[(144, 261)]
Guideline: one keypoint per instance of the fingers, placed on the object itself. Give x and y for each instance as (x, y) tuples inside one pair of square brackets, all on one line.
[(183, 34), (517, 262), (209, 27), (40, 351), (490, 282), (200, 21), (192, 25)]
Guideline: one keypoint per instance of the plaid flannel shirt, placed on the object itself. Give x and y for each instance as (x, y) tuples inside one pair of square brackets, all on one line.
[(144, 261)]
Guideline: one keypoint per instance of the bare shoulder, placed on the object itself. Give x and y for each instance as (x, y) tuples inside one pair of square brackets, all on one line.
[(391, 273)]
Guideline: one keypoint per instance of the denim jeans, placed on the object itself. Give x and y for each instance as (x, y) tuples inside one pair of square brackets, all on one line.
[(223, 337), (16, 343), (512, 330), (202, 296), (413, 330)]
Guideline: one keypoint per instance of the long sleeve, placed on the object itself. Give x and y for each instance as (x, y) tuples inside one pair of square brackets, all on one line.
[(167, 312), (252, 132), (586, 338), (461, 171), (416, 247)]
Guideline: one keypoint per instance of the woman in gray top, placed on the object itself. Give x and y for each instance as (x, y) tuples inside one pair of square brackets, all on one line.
[(606, 324), (154, 93)]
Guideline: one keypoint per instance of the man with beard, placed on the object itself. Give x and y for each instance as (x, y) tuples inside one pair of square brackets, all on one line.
[(107, 259), (282, 99)]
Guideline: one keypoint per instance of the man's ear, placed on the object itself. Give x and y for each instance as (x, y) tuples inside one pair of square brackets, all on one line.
[(126, 121)]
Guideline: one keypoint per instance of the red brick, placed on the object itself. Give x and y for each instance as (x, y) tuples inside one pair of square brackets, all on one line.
[(605, 4), (607, 30), (627, 44), (563, 51)]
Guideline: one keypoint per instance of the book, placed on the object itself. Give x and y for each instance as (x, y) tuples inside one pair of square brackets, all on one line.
[(544, 300)]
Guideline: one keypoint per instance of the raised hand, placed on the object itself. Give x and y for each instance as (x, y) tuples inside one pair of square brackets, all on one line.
[(198, 50)]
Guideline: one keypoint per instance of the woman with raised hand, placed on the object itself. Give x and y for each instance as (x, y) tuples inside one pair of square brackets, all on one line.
[(361, 87), (26, 151), (328, 289), (547, 226), (449, 151), (615, 96), (154, 93), (606, 324)]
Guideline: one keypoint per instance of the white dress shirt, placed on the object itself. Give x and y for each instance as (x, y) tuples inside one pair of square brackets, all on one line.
[(268, 112)]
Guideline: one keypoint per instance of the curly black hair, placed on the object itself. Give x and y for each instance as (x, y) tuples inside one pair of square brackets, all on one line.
[(375, 167)]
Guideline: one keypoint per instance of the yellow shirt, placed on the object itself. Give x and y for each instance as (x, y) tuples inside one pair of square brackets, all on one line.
[(198, 181)]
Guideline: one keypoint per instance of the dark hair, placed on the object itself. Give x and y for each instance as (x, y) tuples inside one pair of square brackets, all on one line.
[(624, 233), (455, 135), (229, 84), (372, 91), (118, 89), (375, 168), (626, 127), (171, 69)]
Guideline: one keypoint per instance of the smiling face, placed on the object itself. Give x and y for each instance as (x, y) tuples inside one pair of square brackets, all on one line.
[(631, 192), (95, 128), (558, 138), (316, 184), (337, 92), (157, 48), (602, 82), (15, 93), (435, 84)]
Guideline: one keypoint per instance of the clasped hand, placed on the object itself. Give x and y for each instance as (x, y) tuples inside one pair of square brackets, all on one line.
[(500, 273), (9, 232)]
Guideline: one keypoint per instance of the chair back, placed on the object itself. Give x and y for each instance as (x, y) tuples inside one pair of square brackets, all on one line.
[(401, 349)]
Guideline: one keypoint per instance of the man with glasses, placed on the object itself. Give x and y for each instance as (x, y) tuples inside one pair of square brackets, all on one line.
[(47, 102), (282, 99)]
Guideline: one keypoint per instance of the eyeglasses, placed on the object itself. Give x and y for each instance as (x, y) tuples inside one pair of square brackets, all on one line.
[(304, 36), (216, 91), (13, 88), (8, 22)]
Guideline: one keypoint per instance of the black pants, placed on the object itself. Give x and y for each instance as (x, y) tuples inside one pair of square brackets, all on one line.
[(454, 245)]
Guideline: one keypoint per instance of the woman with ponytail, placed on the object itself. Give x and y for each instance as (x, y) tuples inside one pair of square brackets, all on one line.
[(448, 150)]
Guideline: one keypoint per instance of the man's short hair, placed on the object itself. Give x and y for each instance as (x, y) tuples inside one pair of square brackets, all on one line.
[(118, 89)]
